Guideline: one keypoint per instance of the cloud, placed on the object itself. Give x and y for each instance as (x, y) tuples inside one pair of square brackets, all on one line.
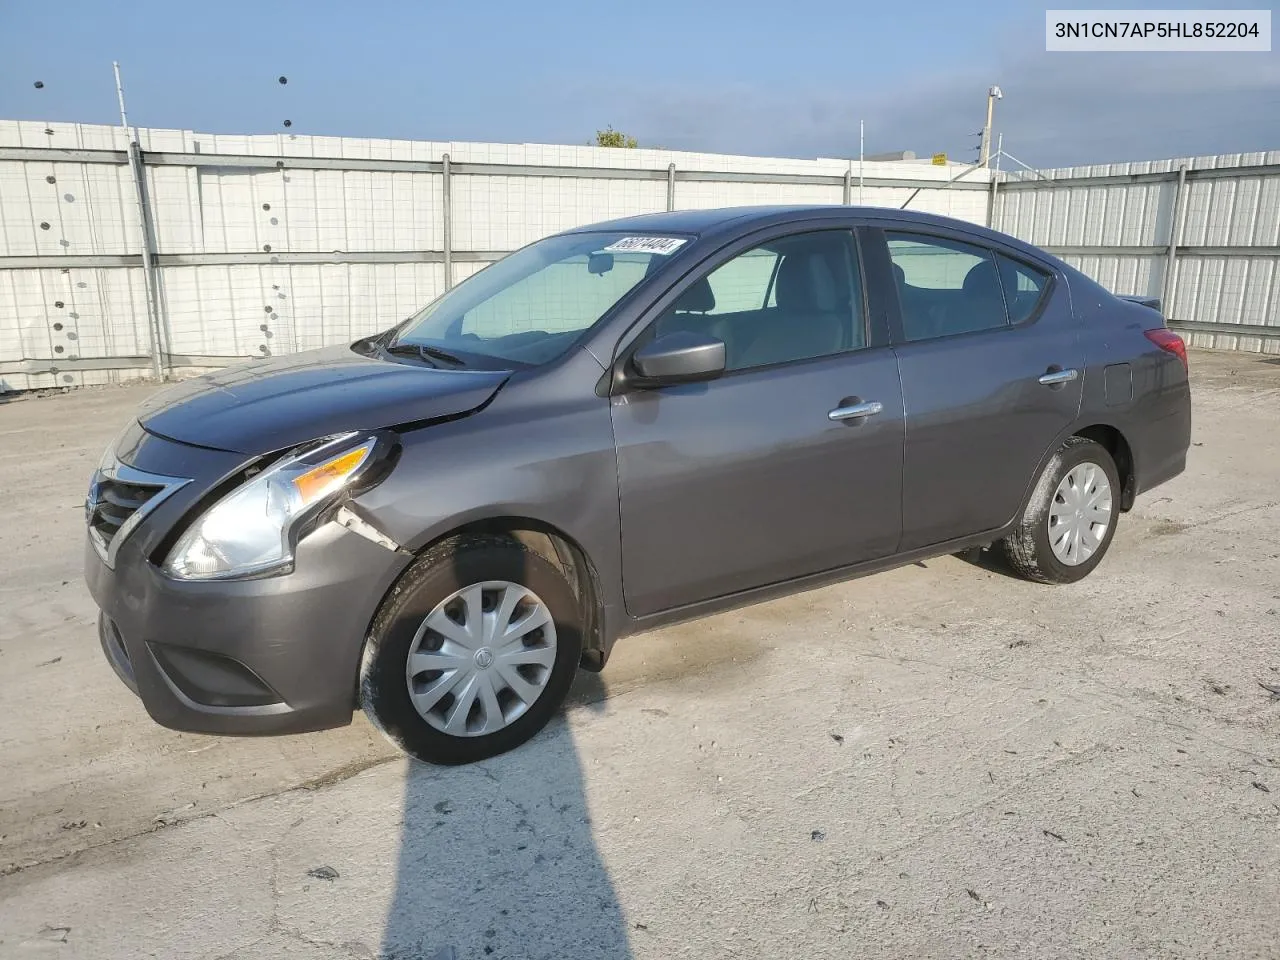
[(1059, 109)]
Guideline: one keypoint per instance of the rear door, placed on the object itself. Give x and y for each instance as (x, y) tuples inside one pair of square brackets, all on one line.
[(992, 367), (791, 462)]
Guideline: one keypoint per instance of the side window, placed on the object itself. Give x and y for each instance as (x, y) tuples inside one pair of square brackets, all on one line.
[(744, 283), (1023, 287), (944, 286), (793, 298)]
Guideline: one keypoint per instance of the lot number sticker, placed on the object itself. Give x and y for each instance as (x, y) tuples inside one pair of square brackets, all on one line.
[(663, 246)]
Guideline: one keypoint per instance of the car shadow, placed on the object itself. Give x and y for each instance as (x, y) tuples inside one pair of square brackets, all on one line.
[(988, 559), (499, 859)]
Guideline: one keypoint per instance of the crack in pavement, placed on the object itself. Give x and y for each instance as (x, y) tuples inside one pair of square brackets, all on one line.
[(337, 775), (1119, 701), (274, 925), (333, 777)]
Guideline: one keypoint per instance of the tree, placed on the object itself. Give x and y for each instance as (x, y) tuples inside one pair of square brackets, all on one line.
[(610, 137)]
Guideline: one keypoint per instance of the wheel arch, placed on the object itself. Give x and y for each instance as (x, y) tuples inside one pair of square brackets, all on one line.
[(560, 550), (1112, 438), (1109, 437)]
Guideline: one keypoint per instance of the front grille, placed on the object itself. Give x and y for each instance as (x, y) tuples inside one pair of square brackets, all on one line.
[(113, 502)]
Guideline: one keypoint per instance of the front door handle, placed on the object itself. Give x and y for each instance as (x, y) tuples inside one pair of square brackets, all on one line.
[(1058, 376), (856, 411)]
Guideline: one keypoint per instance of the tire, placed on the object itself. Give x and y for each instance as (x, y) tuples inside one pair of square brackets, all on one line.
[(451, 571), (1029, 550)]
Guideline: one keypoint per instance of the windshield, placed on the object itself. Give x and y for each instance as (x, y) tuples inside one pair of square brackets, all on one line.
[(530, 307)]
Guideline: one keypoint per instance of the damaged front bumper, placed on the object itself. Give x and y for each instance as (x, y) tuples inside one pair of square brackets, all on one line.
[(277, 654)]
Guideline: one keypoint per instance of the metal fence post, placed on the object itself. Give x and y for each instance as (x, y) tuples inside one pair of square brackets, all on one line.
[(1175, 234), (447, 203), (155, 322), (151, 291), (671, 187), (848, 186)]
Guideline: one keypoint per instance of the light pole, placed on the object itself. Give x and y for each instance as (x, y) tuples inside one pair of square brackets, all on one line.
[(994, 94)]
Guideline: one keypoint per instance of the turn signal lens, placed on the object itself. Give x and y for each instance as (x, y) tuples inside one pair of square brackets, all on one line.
[(320, 481)]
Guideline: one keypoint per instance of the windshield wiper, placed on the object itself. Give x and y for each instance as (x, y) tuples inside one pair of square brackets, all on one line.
[(408, 348)]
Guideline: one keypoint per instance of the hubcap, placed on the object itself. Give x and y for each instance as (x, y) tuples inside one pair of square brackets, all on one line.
[(481, 658), (1080, 514)]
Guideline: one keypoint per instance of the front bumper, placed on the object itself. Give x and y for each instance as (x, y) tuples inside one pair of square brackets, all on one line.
[(275, 655), (271, 656)]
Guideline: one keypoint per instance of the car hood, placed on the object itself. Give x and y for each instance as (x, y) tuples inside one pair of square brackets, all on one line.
[(268, 405)]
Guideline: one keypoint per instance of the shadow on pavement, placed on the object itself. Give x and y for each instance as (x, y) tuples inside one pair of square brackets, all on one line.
[(989, 559), (498, 859)]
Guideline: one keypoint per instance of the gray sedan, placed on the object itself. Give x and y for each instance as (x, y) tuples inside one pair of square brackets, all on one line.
[(611, 429)]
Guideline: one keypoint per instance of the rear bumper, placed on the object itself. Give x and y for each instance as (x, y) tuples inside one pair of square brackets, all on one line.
[(270, 656), (1163, 438)]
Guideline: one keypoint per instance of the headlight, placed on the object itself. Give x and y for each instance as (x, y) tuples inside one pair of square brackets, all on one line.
[(250, 530)]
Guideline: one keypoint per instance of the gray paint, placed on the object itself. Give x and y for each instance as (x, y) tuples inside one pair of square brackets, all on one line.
[(1118, 384), (684, 499), (683, 356), (257, 408), (724, 486)]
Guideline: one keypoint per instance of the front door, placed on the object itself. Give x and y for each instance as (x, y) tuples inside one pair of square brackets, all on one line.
[(790, 463), (992, 369)]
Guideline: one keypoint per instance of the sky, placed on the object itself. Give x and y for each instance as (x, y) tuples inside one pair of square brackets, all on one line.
[(762, 77)]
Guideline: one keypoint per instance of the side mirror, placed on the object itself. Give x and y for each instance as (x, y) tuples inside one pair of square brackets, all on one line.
[(680, 357)]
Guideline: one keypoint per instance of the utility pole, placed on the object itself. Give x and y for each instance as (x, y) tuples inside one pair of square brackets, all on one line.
[(155, 323), (862, 141), (124, 117), (994, 94)]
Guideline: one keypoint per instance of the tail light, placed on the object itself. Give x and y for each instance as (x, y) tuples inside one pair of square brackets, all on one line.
[(1170, 342)]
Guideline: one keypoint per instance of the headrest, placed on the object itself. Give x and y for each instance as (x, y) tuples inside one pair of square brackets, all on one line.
[(805, 282), (982, 280), (899, 276), (697, 299)]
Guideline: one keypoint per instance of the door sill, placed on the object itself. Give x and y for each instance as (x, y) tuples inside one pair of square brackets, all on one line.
[(813, 581)]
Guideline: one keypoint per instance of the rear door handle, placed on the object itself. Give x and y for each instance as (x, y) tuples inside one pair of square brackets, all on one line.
[(1058, 376), (856, 411)]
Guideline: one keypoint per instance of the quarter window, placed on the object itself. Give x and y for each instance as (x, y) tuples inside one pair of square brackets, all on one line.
[(945, 287), (794, 298), (1023, 287)]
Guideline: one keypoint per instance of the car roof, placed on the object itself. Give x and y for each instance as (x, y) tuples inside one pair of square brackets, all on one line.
[(743, 219)]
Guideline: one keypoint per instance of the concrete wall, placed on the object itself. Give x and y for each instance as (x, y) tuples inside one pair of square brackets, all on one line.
[(272, 244)]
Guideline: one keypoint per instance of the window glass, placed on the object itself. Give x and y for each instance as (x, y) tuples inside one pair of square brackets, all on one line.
[(1023, 286), (562, 296), (744, 282), (531, 306), (793, 298), (945, 287)]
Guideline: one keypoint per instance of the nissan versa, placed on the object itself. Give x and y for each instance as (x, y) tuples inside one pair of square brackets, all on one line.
[(611, 429)]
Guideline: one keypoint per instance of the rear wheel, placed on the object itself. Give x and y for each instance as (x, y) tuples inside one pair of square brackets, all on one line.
[(1070, 518), (472, 652)]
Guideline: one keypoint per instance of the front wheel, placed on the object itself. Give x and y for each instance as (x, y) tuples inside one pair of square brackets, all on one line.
[(472, 652), (1070, 518)]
